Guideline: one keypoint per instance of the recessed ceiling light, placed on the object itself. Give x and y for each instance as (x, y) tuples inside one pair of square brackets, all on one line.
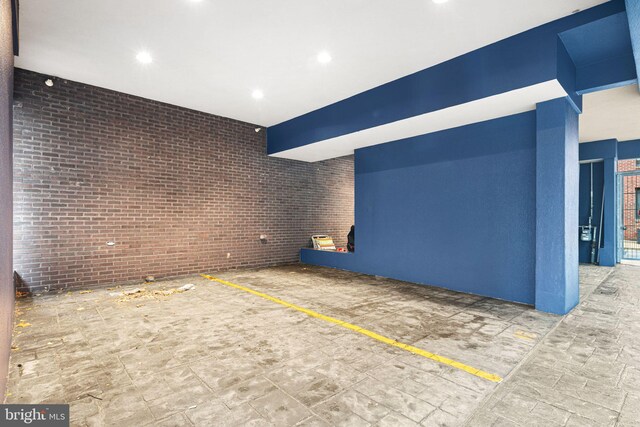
[(144, 57), (324, 57), (439, 1), (257, 94)]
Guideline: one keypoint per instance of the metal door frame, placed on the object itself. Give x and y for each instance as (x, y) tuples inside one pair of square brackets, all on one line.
[(620, 212)]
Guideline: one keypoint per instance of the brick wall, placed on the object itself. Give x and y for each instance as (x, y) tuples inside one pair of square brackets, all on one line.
[(631, 184), (179, 191)]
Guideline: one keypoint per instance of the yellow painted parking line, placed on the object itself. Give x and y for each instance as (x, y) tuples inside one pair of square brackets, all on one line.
[(529, 336), (411, 349)]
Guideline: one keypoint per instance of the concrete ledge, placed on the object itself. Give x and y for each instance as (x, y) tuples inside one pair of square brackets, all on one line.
[(340, 260)]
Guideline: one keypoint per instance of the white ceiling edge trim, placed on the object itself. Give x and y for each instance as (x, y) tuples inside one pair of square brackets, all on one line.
[(492, 107)]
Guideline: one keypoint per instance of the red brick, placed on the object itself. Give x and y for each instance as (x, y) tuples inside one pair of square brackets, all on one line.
[(175, 188)]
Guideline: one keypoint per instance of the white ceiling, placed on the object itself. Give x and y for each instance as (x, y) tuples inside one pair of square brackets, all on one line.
[(210, 55), (613, 113)]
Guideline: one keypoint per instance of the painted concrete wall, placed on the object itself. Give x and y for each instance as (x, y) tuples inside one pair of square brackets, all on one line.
[(6, 270), (454, 209), (489, 209)]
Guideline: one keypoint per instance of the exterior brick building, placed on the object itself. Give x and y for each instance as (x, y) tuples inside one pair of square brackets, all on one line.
[(178, 191), (631, 201)]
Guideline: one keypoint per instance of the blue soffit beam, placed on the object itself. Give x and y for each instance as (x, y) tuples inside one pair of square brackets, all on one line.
[(507, 77), (633, 16), (602, 53), (599, 150), (629, 149)]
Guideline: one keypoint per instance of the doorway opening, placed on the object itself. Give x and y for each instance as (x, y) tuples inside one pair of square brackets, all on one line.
[(629, 210)]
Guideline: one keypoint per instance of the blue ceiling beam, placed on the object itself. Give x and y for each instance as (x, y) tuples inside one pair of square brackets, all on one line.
[(633, 16), (629, 149), (610, 148), (598, 150), (602, 53), (607, 74), (523, 60)]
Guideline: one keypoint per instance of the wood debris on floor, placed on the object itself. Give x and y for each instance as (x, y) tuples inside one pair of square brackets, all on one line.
[(144, 293)]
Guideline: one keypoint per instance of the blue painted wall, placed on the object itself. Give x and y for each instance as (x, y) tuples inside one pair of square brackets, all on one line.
[(598, 179), (458, 209), (454, 209)]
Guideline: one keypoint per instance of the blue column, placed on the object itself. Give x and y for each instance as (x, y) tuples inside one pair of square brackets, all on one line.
[(608, 251), (557, 187)]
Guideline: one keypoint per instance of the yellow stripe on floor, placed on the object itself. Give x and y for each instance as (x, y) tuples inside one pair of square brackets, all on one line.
[(370, 334)]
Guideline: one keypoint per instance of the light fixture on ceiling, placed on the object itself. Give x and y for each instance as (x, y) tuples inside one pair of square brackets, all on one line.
[(144, 57), (324, 57), (439, 1), (257, 94), (49, 82)]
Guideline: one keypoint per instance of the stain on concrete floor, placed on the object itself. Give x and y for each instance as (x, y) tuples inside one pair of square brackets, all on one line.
[(218, 356)]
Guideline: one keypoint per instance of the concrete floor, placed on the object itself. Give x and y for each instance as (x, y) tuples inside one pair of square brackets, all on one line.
[(587, 371), (216, 355)]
